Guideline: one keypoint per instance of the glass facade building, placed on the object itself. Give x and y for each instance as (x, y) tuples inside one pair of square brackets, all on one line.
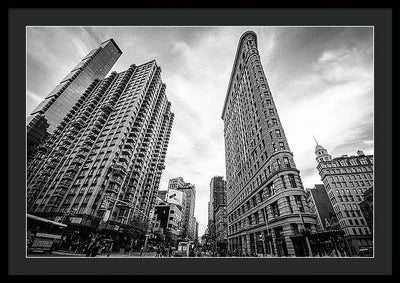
[(45, 118)]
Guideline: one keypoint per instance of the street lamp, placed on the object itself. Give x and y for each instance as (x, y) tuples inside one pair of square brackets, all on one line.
[(131, 206), (305, 232), (266, 224)]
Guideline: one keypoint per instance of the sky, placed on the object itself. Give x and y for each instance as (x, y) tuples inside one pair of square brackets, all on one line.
[(321, 79)]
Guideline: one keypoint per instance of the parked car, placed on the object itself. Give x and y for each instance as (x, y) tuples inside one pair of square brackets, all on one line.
[(366, 252)]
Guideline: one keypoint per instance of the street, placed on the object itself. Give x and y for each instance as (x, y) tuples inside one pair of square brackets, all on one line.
[(114, 255)]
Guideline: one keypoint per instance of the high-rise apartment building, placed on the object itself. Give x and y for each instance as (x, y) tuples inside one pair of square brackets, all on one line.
[(346, 179), (221, 228), (189, 201), (196, 233), (210, 212), (320, 204), (102, 165), (217, 192), (266, 202), (46, 117), (217, 221)]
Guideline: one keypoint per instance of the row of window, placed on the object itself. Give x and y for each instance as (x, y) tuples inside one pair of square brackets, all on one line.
[(350, 162), (268, 191), (261, 177), (254, 218)]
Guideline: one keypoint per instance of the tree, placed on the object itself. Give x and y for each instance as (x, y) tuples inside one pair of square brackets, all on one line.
[(136, 228)]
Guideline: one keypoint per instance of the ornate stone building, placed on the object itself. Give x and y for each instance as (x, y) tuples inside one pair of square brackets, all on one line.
[(266, 201), (346, 179)]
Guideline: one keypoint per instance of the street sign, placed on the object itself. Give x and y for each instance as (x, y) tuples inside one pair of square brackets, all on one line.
[(327, 223), (106, 215), (175, 197), (76, 220)]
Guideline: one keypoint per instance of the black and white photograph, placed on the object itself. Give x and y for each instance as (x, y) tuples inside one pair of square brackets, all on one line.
[(175, 141), (200, 141)]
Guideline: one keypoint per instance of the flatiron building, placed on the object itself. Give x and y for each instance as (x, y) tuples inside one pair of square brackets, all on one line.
[(266, 202)]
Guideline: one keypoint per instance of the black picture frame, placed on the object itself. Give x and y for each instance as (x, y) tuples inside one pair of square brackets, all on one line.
[(381, 19)]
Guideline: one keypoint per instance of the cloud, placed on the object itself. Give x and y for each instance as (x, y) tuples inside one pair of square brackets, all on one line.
[(332, 100), (32, 100)]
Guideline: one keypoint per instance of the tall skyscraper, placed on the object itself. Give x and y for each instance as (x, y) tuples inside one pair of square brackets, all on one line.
[(45, 118), (102, 165), (320, 204), (189, 201), (266, 202), (196, 233), (217, 221), (346, 179), (217, 192)]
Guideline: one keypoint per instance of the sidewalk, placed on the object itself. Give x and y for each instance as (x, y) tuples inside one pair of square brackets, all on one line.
[(132, 254), (113, 255), (65, 253)]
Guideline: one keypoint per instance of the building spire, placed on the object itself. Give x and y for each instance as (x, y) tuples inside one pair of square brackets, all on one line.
[(315, 140)]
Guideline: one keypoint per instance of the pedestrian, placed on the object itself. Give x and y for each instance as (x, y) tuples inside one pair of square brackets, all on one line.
[(157, 251), (169, 251), (95, 249), (109, 249), (141, 251), (89, 248)]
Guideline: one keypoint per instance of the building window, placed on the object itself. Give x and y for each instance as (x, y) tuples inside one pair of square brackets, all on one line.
[(289, 204), (278, 163), (292, 181), (275, 209), (286, 161), (256, 217), (270, 189), (299, 203), (281, 145), (295, 228), (260, 193), (283, 181)]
